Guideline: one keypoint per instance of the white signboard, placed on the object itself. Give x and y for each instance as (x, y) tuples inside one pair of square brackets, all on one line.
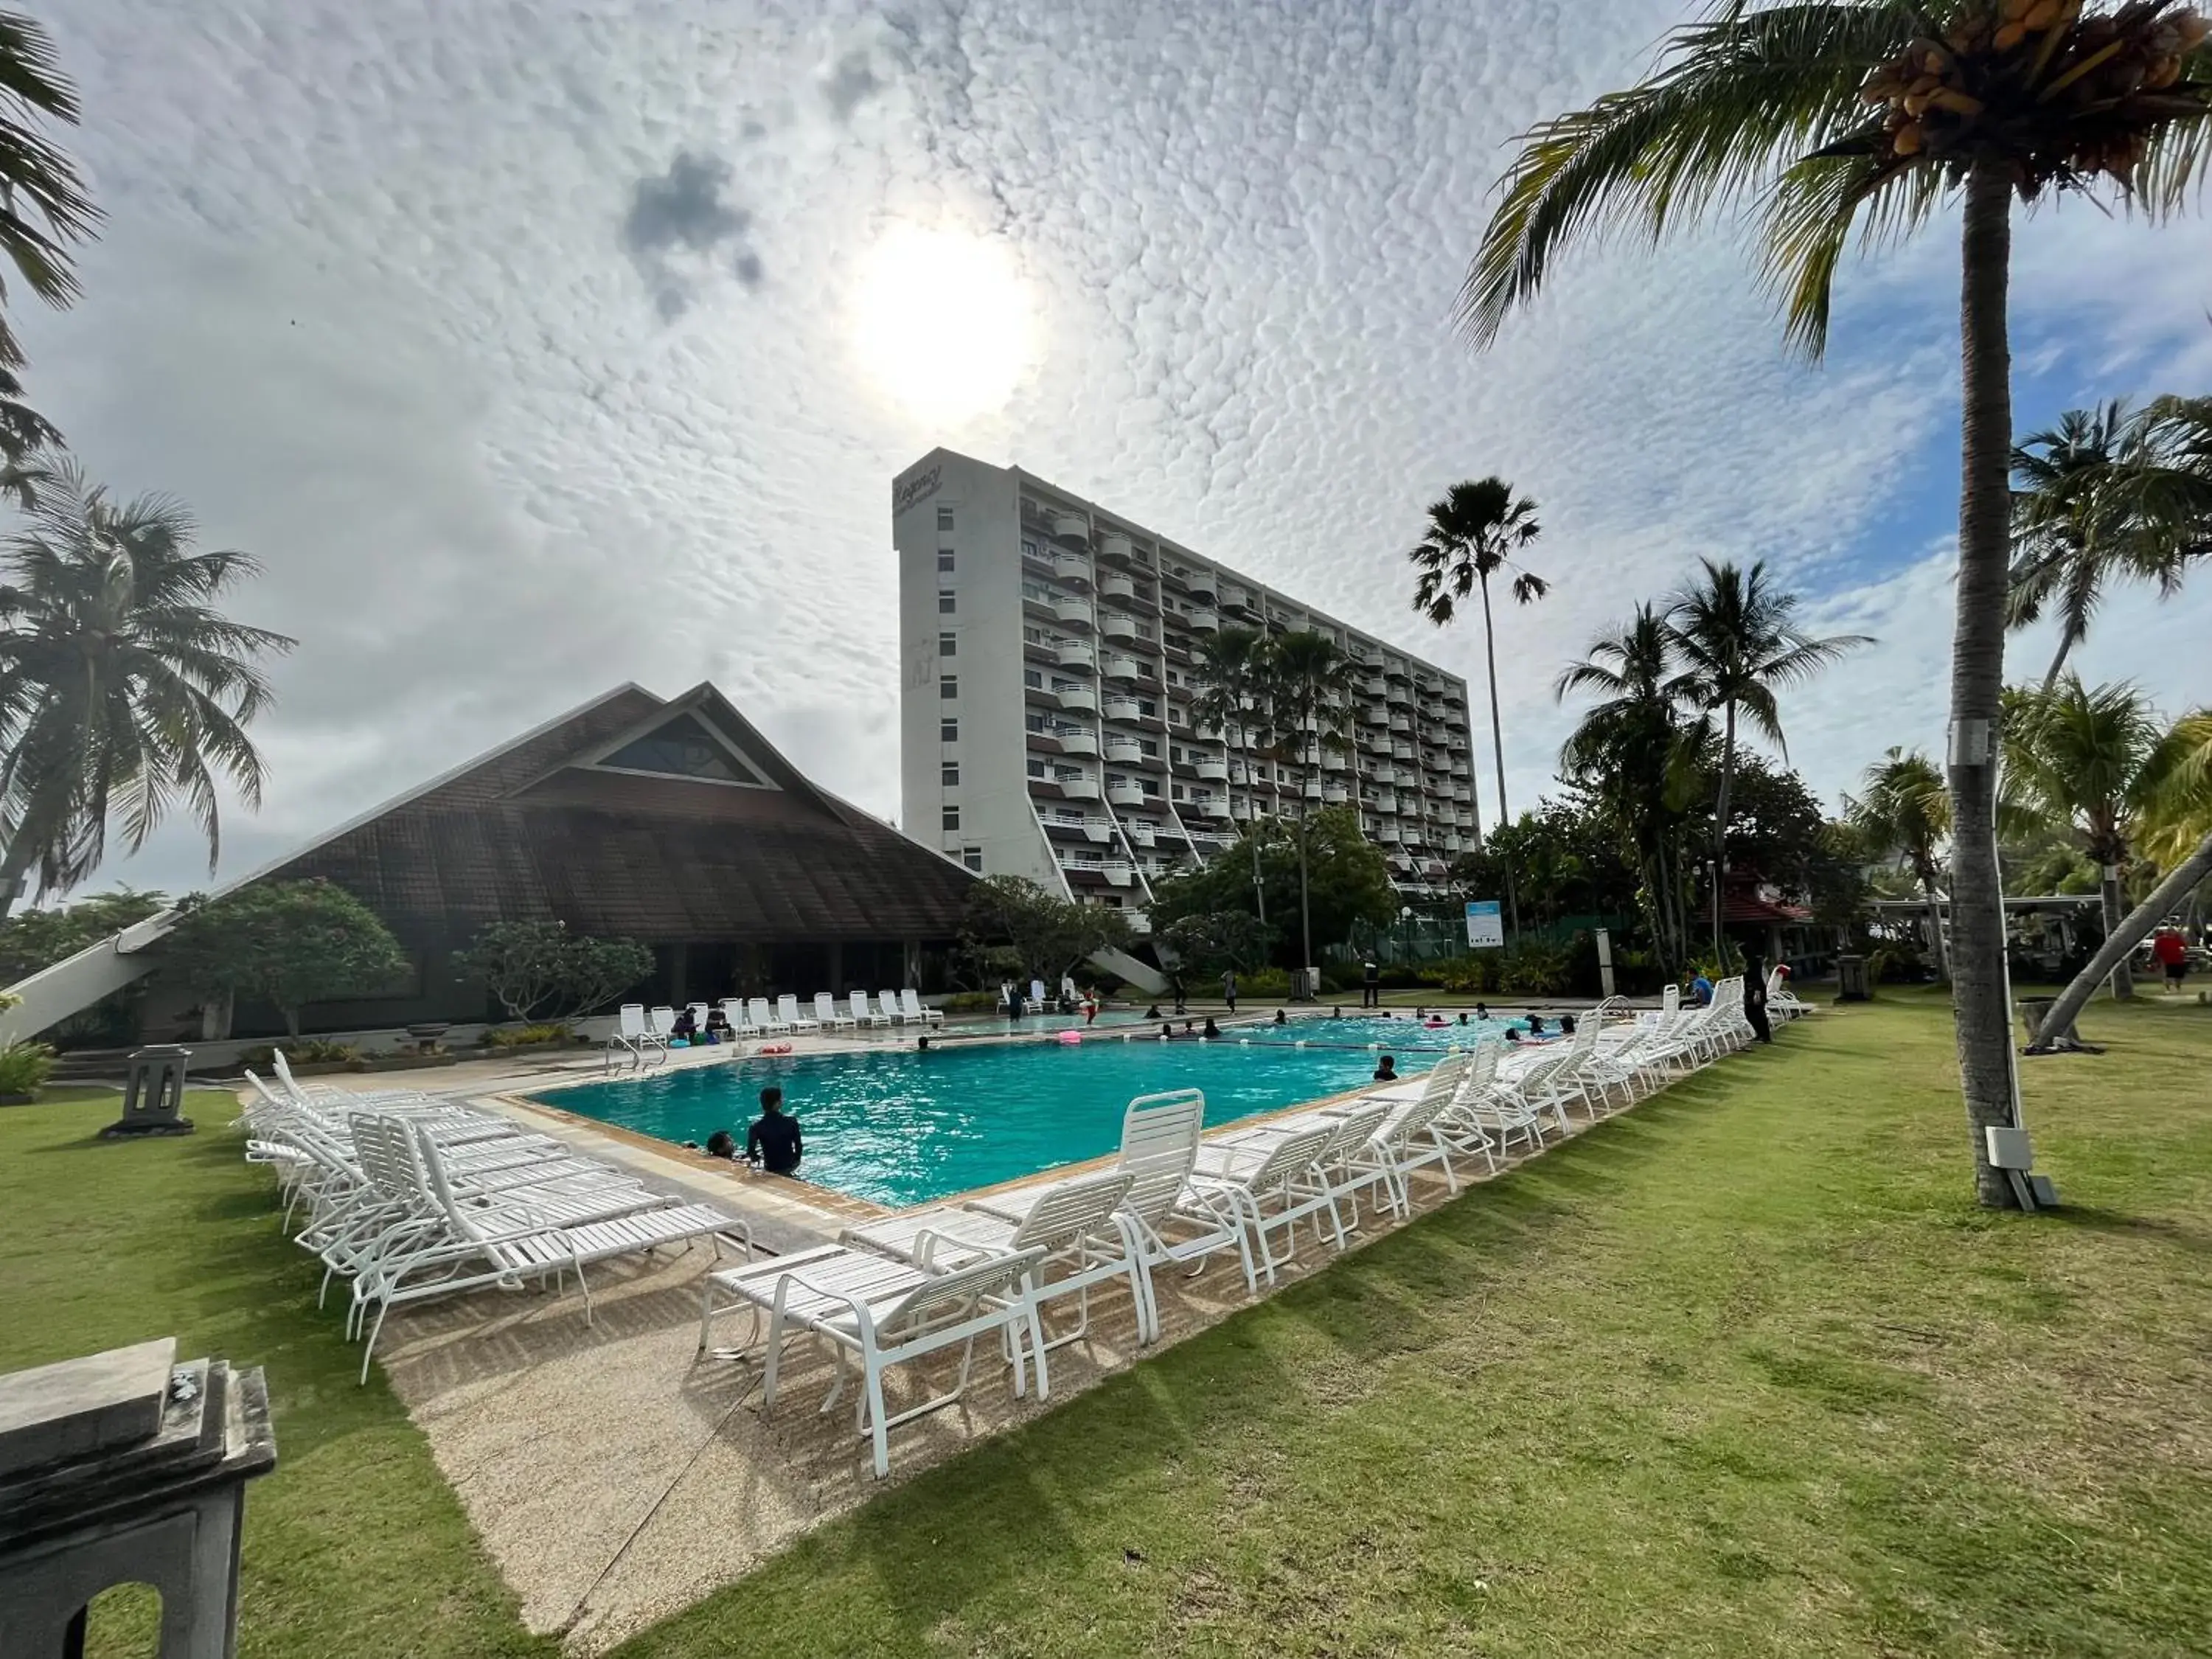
[(1485, 924)]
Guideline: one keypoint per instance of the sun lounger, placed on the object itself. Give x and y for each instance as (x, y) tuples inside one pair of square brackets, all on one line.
[(764, 1022), (910, 1004), (888, 1002), (880, 1312), (786, 1011), (826, 1015), (862, 1013)]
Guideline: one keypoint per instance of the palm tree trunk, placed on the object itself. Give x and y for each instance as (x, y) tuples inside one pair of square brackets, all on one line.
[(1251, 833), (1935, 925), (1979, 996), (2057, 660), (2121, 941), (1720, 827), (2108, 894), (1497, 728)]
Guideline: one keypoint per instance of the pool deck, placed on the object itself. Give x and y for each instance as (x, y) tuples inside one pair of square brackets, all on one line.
[(616, 1476)]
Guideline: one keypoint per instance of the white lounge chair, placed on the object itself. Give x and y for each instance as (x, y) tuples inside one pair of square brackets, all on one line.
[(460, 1247), (826, 1015), (1265, 1189), (1781, 999), (699, 1013), (739, 1022), (764, 1022), (888, 1002), (862, 1013), (910, 1004), (786, 1010), (1037, 995), (882, 1313), (1077, 1224)]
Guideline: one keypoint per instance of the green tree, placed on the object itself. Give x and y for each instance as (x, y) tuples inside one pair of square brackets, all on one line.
[(1736, 639), (32, 939), (1310, 682), (1348, 882), (1905, 811), (1472, 535), (287, 942), (1634, 753), (1866, 115), (2108, 495), (1229, 669), (538, 969), (1018, 925), (2178, 828), (123, 692), (1211, 943), (2090, 764), (44, 210)]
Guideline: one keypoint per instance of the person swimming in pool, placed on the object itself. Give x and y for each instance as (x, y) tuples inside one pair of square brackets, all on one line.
[(1386, 1070), (1212, 1029)]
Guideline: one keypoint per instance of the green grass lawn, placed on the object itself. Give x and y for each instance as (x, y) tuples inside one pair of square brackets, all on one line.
[(1744, 1372)]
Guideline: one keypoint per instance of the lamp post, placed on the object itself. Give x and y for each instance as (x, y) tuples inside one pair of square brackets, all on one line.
[(1406, 922)]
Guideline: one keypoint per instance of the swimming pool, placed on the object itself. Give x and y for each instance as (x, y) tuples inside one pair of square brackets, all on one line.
[(899, 1128)]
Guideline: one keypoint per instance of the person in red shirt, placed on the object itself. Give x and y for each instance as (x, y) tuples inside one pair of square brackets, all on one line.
[(2168, 951)]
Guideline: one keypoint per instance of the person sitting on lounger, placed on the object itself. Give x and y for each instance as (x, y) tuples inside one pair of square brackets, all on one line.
[(1386, 1070), (686, 1026), (773, 1141)]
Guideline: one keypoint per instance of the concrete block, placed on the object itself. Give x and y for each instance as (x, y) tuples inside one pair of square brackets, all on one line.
[(53, 1413)]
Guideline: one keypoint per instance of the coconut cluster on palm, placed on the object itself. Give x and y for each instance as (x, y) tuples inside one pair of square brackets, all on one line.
[(2063, 96)]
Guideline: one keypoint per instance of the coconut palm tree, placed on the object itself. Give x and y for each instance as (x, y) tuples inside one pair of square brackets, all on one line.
[(44, 210), (1472, 534), (122, 691), (2090, 764), (1311, 680), (1907, 809), (1866, 115), (1735, 635), (2108, 494), (1230, 669), (2178, 831), (1635, 753)]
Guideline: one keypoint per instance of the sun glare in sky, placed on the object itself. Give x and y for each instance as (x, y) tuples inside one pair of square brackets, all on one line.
[(943, 322)]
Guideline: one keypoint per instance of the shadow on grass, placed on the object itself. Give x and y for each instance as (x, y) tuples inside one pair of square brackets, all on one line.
[(2089, 1217)]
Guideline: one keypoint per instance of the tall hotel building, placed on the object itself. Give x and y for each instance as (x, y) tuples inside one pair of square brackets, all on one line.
[(1046, 728)]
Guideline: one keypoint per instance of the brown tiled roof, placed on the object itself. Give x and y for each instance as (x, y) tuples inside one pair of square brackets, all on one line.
[(525, 835)]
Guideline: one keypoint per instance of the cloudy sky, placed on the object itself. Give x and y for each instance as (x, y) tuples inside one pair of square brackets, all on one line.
[(535, 348)]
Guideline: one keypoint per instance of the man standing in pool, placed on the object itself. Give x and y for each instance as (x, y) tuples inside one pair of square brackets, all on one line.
[(773, 1141)]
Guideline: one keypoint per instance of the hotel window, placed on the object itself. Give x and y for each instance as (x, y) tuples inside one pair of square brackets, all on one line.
[(948, 731), (951, 772), (945, 559), (1037, 768), (973, 857), (945, 518), (948, 686), (946, 605), (948, 644), (1032, 679), (951, 818)]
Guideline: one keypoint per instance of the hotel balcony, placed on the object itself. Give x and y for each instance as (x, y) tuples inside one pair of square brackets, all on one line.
[(1388, 835), (1400, 723), (1384, 804), (1117, 547), (1401, 751), (1119, 708), (1070, 527), (1376, 717), (1215, 771), (1140, 835), (1081, 698), (1073, 656), (1335, 794), (1078, 742), (1078, 788), (1204, 621), (1373, 685), (1115, 586), (1115, 626), (1203, 585), (1119, 667), (1125, 794), (1075, 613), (1123, 750), (1312, 791), (1334, 760)]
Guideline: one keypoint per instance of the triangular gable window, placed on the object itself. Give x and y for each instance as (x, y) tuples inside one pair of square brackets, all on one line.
[(683, 748)]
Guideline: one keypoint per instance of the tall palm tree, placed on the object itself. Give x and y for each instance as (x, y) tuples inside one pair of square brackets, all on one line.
[(1635, 753), (1839, 114), (1311, 680), (2108, 493), (1230, 669), (2090, 763), (44, 210), (1737, 640), (1907, 809), (122, 691), (1472, 534)]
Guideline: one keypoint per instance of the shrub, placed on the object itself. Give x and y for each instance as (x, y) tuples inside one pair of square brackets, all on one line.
[(970, 1002), (516, 1037), (288, 943), (1262, 984), (300, 1051), (24, 1067)]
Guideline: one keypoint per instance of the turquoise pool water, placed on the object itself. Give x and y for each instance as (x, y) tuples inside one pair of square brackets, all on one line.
[(902, 1127)]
